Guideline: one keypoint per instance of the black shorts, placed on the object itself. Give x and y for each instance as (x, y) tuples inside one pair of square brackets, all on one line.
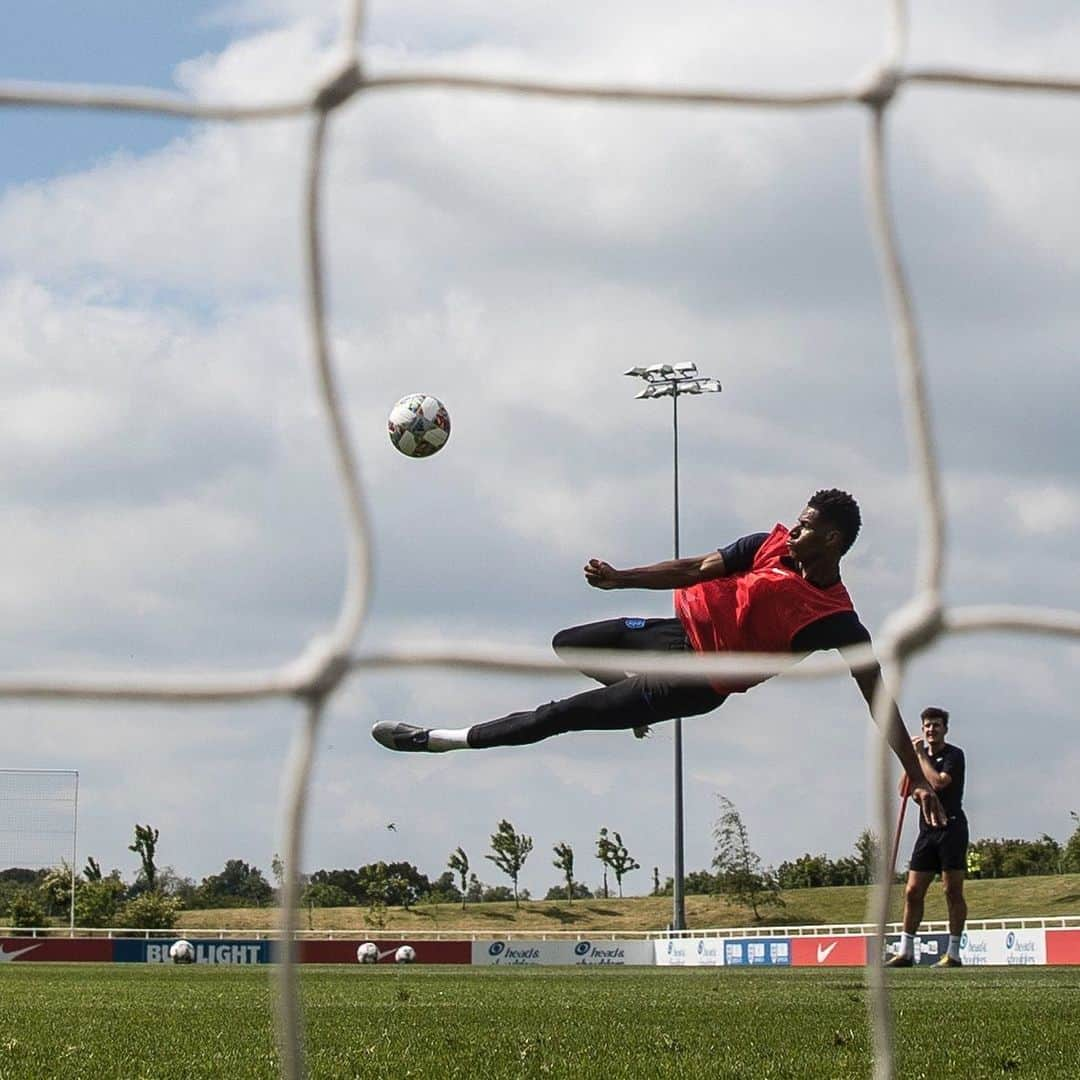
[(941, 849)]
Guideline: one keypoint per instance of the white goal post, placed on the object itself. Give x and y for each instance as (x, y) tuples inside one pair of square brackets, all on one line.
[(39, 822)]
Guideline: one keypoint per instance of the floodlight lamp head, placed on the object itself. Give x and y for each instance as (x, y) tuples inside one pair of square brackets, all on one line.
[(637, 372), (658, 390), (657, 369), (648, 391), (711, 386), (686, 368)]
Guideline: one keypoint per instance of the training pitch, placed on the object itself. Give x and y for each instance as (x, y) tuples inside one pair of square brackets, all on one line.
[(159, 1022)]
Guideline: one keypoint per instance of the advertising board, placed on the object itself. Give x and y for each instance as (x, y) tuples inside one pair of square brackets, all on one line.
[(584, 952), (823, 951), (1012, 947), (344, 952), (55, 950), (929, 948), (689, 952), (1063, 946), (750, 952)]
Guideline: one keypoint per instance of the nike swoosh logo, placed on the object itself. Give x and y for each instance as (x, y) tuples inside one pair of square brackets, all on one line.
[(7, 956), (386, 952), (823, 951)]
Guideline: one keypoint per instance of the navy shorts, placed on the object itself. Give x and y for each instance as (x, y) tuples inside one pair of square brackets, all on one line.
[(941, 849)]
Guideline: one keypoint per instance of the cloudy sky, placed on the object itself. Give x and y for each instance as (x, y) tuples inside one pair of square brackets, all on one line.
[(168, 497)]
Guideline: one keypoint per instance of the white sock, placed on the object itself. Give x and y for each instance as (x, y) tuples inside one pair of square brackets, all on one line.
[(907, 944), (440, 739), (954, 946)]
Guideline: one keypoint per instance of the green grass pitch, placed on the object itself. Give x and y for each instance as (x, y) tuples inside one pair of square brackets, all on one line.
[(439, 1022)]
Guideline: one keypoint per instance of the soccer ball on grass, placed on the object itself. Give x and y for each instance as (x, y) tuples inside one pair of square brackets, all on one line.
[(182, 952), (419, 425)]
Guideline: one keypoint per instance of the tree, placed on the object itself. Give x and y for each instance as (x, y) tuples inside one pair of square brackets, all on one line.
[(238, 885), (511, 850), (145, 846), (346, 880), (26, 910), (739, 874), (564, 861), (444, 890), (604, 851), (171, 884), (1070, 856), (621, 862), (698, 883), (475, 892), (867, 852), (97, 902), (1019, 858), (656, 881), (150, 911), (398, 883), (806, 872), (501, 894), (319, 894), (558, 892), (459, 864), (93, 869), (55, 889)]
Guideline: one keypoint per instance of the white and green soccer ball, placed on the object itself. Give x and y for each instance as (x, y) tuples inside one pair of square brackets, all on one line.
[(182, 952), (406, 954), (419, 425), (368, 953)]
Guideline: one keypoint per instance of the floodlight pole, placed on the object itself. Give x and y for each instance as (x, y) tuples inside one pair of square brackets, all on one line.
[(678, 899), (671, 380)]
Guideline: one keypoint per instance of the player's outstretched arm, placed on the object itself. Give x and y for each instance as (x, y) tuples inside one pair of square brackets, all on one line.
[(900, 741), (673, 574)]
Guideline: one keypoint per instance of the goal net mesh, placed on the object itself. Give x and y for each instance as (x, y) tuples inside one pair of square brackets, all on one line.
[(37, 817), (315, 675)]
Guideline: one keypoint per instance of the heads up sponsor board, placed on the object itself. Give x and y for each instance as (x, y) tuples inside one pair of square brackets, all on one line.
[(688, 952), (1009, 947), (589, 953)]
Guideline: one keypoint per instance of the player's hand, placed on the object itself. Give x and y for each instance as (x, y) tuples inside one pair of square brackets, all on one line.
[(917, 743), (930, 804), (601, 575)]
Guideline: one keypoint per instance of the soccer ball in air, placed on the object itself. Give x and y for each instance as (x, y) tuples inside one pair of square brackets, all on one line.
[(368, 953), (419, 425), (182, 952), (406, 954)]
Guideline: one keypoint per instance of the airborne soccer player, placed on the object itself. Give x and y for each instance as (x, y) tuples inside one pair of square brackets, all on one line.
[(768, 592)]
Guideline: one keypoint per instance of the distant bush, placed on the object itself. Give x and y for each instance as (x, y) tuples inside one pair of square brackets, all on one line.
[(149, 911), (558, 892)]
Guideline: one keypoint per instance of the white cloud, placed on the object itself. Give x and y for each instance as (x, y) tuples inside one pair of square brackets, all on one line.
[(1046, 510)]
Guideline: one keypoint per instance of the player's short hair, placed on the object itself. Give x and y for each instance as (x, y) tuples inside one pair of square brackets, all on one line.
[(932, 712), (841, 511)]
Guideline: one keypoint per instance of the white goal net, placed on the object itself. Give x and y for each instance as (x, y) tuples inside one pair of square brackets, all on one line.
[(39, 821), (315, 676)]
